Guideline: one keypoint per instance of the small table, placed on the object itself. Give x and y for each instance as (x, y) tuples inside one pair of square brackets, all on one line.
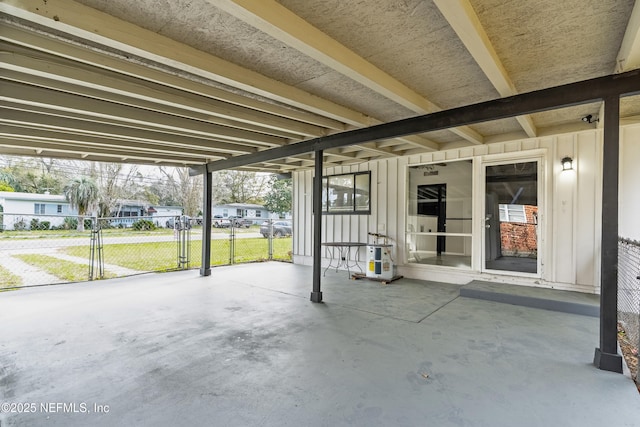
[(344, 258)]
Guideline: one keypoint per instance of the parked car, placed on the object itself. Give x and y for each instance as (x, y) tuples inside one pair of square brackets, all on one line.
[(238, 221), (280, 229), (220, 222)]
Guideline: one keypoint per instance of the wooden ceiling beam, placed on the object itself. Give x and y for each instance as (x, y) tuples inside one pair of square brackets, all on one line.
[(115, 87), (39, 96), (76, 126), (87, 23), (39, 42), (464, 21), (277, 21)]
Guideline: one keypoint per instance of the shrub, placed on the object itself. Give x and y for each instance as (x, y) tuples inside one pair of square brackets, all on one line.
[(20, 225), (45, 225), (143, 224), (70, 223)]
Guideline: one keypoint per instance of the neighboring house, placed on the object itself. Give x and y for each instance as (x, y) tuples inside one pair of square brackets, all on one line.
[(128, 211), (18, 209), (128, 208), (502, 212), (256, 213)]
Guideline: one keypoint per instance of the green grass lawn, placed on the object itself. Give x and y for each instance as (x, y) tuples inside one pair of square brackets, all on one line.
[(8, 279), (69, 234), (162, 256), (62, 269)]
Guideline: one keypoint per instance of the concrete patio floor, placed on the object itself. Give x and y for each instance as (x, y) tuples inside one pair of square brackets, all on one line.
[(246, 347)]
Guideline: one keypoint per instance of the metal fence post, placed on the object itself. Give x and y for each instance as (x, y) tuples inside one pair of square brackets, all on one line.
[(232, 243), (182, 229), (270, 240), (96, 255)]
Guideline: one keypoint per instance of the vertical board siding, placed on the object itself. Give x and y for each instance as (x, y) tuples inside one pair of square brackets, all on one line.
[(393, 200), (375, 195), (587, 165), (572, 204), (401, 208), (382, 201), (563, 215), (629, 183)]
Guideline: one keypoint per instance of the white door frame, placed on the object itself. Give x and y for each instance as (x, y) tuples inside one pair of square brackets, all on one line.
[(539, 156)]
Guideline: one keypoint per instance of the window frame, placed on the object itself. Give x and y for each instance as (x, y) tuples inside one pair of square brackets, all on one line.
[(326, 208)]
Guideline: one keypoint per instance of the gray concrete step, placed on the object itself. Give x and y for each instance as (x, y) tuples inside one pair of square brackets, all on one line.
[(527, 296)]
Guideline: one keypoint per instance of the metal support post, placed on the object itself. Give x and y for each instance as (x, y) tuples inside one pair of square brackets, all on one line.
[(205, 269), (606, 356), (316, 294)]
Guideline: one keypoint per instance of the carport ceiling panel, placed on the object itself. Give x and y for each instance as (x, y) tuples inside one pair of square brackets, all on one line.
[(567, 116), (409, 40), (344, 91), (548, 42), (498, 127), (630, 106), (199, 24), (220, 34)]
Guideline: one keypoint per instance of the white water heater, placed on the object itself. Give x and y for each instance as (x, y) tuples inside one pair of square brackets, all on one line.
[(380, 265)]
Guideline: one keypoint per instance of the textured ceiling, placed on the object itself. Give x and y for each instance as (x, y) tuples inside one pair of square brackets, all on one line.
[(194, 81)]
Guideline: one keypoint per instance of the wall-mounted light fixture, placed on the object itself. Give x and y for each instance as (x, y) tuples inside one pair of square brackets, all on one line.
[(590, 119), (567, 163)]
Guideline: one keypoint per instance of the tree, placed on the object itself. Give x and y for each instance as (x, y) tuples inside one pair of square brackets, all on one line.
[(278, 199), (185, 189), (32, 175), (233, 186), (82, 193), (115, 182), (9, 180), (5, 187)]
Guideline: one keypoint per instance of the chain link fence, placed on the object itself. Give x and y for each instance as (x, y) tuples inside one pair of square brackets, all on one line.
[(629, 290), (49, 249)]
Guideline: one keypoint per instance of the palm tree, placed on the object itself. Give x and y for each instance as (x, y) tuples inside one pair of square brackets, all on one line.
[(81, 193)]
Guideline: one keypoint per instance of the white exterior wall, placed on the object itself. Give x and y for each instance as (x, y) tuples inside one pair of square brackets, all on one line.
[(630, 183), (164, 211), (569, 216)]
